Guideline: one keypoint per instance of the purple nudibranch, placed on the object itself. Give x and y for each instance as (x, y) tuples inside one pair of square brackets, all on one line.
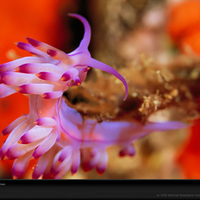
[(52, 131)]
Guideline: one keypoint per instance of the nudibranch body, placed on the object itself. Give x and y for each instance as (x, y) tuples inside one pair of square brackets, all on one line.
[(52, 131)]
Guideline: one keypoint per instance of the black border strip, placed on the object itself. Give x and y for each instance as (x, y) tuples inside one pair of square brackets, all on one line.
[(99, 189)]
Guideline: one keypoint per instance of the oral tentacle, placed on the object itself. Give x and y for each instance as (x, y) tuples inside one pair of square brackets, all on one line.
[(63, 171), (50, 50), (128, 150), (75, 161), (52, 95), (92, 162), (70, 74), (17, 150), (57, 167), (34, 68), (11, 126), (56, 163), (13, 137), (31, 49), (20, 165), (35, 88), (48, 142), (36, 133), (48, 76), (10, 66), (17, 79), (46, 121), (101, 165), (41, 165), (64, 153), (6, 90)]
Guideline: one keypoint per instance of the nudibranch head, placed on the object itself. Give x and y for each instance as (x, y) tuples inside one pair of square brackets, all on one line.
[(50, 71)]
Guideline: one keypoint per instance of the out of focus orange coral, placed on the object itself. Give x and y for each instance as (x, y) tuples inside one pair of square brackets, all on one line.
[(190, 152), (184, 24), (184, 28)]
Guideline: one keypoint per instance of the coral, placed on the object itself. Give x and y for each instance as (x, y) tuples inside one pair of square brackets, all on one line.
[(185, 31)]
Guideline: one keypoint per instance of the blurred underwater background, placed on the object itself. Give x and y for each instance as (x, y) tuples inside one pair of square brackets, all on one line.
[(153, 44)]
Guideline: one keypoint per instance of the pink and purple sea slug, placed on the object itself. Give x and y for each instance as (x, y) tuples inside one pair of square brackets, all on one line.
[(53, 132)]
